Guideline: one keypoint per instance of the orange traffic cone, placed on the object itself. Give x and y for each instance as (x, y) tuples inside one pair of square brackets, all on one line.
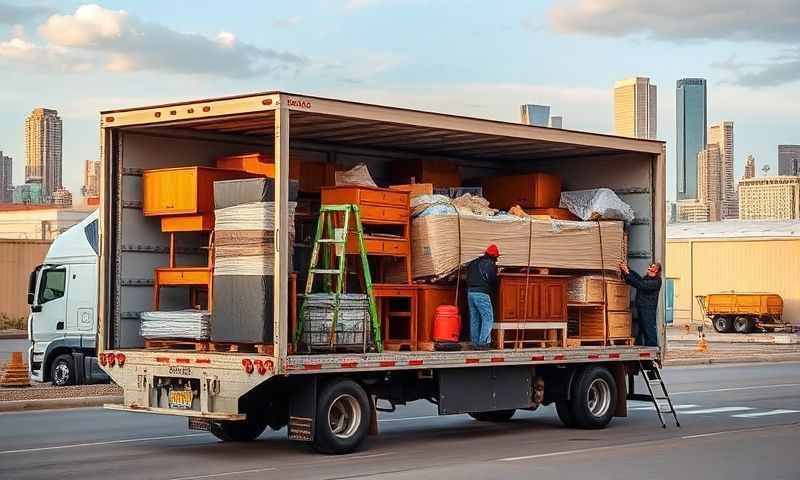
[(702, 345), (16, 374)]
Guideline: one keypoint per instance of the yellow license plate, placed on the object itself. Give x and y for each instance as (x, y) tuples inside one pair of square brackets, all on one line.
[(181, 399)]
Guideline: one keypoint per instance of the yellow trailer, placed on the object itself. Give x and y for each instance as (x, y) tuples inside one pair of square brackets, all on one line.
[(743, 312)]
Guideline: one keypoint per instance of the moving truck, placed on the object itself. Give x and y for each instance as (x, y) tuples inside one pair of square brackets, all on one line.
[(329, 399), (62, 325)]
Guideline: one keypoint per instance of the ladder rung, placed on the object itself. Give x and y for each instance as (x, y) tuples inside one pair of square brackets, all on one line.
[(331, 240), (324, 271)]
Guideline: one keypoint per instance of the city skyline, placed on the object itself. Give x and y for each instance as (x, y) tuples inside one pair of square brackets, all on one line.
[(321, 53)]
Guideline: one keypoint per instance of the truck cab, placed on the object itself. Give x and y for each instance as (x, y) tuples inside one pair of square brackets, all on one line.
[(62, 293)]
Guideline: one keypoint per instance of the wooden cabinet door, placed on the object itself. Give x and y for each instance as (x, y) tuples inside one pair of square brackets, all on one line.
[(553, 301), (508, 308), (170, 192), (531, 304)]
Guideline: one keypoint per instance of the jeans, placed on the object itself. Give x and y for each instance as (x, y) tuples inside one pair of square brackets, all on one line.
[(481, 318), (648, 330)]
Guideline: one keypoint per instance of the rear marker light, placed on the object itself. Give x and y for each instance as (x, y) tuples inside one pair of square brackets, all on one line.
[(248, 365), (102, 358), (120, 359), (262, 369), (111, 359)]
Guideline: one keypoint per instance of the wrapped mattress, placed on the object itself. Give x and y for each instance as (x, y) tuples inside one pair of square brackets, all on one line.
[(441, 242), (187, 324)]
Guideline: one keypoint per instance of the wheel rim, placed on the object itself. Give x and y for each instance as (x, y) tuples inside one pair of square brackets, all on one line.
[(599, 397), (344, 416), (722, 324), (60, 374), (740, 324)]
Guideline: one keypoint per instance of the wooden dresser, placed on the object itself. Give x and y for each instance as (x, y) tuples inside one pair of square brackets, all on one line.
[(546, 298)]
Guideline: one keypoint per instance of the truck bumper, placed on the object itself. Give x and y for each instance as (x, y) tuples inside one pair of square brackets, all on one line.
[(172, 411)]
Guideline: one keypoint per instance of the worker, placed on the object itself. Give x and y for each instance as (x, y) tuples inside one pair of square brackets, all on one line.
[(647, 289), (481, 280)]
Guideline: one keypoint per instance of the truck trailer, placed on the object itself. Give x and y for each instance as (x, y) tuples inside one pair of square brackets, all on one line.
[(331, 399)]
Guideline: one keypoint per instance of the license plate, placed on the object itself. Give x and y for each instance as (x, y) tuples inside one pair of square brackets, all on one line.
[(181, 399)]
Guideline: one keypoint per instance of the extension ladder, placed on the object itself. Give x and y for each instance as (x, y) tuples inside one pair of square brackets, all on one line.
[(658, 395), (327, 216)]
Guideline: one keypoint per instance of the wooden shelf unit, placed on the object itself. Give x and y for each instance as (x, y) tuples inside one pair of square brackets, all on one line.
[(384, 294)]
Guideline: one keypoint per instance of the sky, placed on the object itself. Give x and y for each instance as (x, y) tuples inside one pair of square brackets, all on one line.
[(469, 57)]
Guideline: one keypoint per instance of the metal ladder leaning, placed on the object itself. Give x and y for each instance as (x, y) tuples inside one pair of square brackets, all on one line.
[(658, 396), (327, 214)]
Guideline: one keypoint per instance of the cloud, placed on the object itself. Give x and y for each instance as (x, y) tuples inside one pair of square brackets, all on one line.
[(39, 58), (121, 42), (776, 21), (782, 69), (14, 14)]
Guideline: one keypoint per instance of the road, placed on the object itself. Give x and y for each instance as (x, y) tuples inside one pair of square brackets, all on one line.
[(738, 422)]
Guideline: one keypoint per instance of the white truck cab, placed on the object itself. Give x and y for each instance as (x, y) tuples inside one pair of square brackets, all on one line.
[(62, 293)]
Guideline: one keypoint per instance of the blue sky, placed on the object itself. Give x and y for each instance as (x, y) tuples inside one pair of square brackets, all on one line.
[(476, 58)]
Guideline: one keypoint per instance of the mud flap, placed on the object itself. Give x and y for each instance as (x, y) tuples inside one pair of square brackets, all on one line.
[(303, 410)]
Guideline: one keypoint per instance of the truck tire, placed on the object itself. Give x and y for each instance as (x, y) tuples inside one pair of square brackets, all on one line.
[(343, 417), (565, 414), (496, 416), (62, 371), (743, 324), (594, 398), (240, 431), (723, 324)]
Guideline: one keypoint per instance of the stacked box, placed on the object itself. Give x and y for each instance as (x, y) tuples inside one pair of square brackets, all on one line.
[(189, 323)]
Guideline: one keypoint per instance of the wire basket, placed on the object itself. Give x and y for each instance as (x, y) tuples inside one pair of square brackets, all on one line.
[(353, 326)]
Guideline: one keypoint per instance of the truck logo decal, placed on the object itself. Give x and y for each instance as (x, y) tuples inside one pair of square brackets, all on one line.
[(304, 104)]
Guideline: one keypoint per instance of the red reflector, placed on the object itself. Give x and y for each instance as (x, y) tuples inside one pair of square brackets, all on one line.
[(111, 359), (387, 363), (120, 359), (248, 365), (349, 365), (312, 366), (182, 360), (203, 360), (613, 355), (415, 363), (109, 119), (162, 359), (558, 357), (498, 359), (538, 358), (102, 358), (594, 356), (472, 360), (644, 354), (260, 367)]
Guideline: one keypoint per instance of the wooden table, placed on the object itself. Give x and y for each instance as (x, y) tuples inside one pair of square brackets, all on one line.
[(384, 291), (522, 327)]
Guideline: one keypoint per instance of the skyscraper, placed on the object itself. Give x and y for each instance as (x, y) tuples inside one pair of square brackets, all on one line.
[(788, 159), (770, 198), (91, 176), (721, 134), (691, 126), (6, 188), (749, 167), (43, 150), (538, 115), (635, 108), (709, 180)]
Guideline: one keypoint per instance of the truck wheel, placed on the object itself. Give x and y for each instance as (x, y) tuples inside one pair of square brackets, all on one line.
[(343, 417), (723, 324), (62, 371), (495, 416), (594, 398), (565, 413), (743, 325), (240, 431)]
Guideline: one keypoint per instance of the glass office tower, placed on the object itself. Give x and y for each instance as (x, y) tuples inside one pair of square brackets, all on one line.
[(691, 131)]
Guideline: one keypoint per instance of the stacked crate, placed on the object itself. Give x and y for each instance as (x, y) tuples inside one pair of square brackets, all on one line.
[(598, 311)]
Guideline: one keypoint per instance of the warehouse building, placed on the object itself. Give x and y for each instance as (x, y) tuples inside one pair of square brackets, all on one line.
[(733, 255)]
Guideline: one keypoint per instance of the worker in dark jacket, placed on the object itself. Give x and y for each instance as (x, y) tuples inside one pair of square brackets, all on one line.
[(481, 280), (647, 289)]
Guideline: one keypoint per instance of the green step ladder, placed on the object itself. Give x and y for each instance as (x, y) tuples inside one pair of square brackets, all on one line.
[(327, 214)]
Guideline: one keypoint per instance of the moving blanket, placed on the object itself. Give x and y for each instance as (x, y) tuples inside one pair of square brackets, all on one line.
[(190, 324), (436, 242), (229, 193)]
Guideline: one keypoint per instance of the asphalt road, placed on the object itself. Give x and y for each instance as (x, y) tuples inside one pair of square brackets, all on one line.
[(738, 422)]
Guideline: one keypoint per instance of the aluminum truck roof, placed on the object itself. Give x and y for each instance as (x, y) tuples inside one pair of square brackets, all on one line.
[(734, 229)]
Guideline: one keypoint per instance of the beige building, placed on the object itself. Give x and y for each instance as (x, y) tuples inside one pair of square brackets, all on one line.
[(709, 181), (721, 134), (749, 167), (692, 211), (773, 198), (62, 198), (734, 255), (635, 108), (37, 222), (91, 178), (43, 139)]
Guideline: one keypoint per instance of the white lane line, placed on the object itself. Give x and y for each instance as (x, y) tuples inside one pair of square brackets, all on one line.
[(566, 452), (717, 410), (405, 419), (107, 442), (225, 474), (779, 411), (734, 389), (677, 407)]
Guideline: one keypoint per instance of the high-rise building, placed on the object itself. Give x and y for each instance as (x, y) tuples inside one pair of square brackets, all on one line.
[(750, 166), (43, 140), (62, 198), (30, 193), (722, 134), (691, 125), (91, 177), (692, 211), (788, 159), (709, 181), (6, 187), (770, 198), (557, 122), (538, 115), (635, 108)]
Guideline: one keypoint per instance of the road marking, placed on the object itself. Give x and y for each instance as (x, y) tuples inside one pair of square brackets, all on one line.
[(225, 474), (765, 414), (717, 410), (754, 387), (108, 442), (677, 407), (405, 419), (566, 452)]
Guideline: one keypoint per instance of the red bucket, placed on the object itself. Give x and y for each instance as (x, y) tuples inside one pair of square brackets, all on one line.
[(446, 324)]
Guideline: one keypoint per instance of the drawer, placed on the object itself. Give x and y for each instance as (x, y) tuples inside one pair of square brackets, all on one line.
[(619, 296), (183, 276), (619, 324), (379, 246), (188, 223), (385, 198), (384, 214)]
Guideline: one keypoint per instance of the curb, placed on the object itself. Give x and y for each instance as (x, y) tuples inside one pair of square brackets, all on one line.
[(685, 362), (57, 403)]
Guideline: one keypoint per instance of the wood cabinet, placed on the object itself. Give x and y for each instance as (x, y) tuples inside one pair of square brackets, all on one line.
[(544, 299), (442, 173), (184, 190), (619, 324), (534, 190)]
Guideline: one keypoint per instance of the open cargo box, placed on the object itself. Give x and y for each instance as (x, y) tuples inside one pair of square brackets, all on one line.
[(345, 134)]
